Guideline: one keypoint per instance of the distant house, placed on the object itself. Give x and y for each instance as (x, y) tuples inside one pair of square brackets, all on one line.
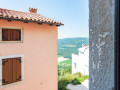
[(28, 51), (80, 62)]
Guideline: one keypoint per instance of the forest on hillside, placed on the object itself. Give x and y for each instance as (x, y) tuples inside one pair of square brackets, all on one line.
[(67, 46)]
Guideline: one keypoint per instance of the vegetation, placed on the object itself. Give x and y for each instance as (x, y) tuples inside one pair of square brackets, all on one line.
[(62, 84), (83, 78), (67, 62), (78, 74), (75, 81), (60, 56), (68, 46), (66, 77), (64, 69), (79, 80)]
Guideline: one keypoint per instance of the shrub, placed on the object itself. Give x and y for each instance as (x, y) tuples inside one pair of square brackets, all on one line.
[(83, 78), (86, 77), (62, 84), (75, 81), (79, 80), (68, 69), (78, 74), (69, 77), (64, 69), (65, 77)]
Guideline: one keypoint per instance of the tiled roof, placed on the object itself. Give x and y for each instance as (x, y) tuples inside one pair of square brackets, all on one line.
[(26, 16)]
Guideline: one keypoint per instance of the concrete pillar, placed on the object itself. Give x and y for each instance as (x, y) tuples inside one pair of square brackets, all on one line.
[(101, 32)]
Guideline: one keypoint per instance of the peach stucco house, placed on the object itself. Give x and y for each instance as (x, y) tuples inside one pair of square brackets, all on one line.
[(28, 51)]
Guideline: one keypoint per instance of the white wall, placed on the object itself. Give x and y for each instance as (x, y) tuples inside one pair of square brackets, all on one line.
[(81, 60)]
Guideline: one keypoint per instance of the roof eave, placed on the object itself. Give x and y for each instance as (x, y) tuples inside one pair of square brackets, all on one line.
[(57, 24)]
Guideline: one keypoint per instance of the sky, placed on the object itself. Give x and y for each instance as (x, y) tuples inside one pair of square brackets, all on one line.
[(74, 14)]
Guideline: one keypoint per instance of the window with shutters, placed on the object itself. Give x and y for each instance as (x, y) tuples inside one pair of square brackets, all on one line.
[(12, 70), (10, 34)]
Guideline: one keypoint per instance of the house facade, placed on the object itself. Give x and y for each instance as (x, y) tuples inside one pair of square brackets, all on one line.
[(26, 42), (80, 62)]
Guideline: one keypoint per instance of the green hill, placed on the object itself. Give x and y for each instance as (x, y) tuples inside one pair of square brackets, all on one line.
[(67, 46)]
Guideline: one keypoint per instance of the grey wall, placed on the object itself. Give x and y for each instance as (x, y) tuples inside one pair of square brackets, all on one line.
[(101, 29)]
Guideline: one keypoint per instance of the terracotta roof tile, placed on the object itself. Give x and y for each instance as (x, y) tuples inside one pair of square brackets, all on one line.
[(26, 16)]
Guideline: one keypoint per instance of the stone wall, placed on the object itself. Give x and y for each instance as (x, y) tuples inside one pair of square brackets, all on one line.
[(101, 29)]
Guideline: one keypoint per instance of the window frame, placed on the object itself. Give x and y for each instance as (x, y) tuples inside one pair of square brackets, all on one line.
[(21, 41), (22, 70)]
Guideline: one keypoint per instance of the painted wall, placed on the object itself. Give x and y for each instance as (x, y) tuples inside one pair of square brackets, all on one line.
[(39, 48), (101, 27), (80, 62)]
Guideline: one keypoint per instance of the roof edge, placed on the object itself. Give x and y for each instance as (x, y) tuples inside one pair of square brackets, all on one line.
[(32, 21)]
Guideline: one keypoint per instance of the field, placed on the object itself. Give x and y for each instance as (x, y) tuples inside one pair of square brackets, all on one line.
[(67, 62), (60, 56)]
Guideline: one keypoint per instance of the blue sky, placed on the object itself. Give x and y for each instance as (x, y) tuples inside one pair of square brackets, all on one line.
[(72, 13)]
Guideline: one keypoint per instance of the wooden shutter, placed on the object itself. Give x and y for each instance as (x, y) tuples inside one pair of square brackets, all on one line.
[(11, 35), (18, 35), (16, 69), (11, 70), (18, 64), (5, 35), (6, 71), (15, 35)]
